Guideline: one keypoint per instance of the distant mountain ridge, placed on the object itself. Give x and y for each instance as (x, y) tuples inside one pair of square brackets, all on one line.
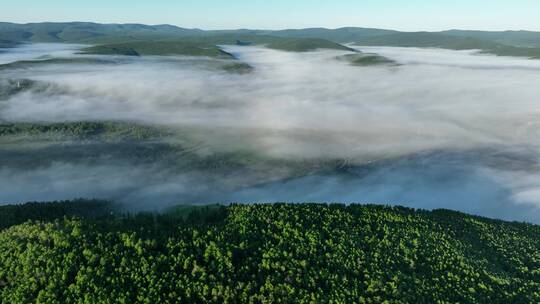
[(511, 43), (88, 31)]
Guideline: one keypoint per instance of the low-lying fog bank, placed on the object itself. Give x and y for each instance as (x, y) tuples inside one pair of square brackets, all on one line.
[(37, 51), (442, 129)]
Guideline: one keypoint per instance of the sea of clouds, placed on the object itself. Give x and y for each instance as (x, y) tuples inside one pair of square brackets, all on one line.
[(440, 129)]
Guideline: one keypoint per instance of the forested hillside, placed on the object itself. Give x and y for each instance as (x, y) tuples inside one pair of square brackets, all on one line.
[(280, 253), (140, 39)]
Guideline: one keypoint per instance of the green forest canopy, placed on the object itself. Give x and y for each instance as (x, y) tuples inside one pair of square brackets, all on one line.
[(270, 253)]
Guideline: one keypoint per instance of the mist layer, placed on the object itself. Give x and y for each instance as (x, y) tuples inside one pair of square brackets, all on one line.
[(442, 129)]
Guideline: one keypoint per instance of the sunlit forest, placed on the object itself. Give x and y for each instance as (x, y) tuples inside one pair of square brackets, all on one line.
[(90, 252)]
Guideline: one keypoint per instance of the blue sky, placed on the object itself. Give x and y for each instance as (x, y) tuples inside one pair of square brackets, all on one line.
[(408, 15)]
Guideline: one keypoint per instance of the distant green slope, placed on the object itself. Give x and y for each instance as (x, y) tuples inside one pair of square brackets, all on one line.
[(305, 45), (87, 32), (24, 64), (503, 50), (113, 49), (38, 211), (158, 48), (512, 38), (427, 39), (366, 59), (302, 253), (82, 130), (508, 43), (13, 86), (206, 46), (238, 68), (93, 33), (340, 35), (437, 40), (274, 42)]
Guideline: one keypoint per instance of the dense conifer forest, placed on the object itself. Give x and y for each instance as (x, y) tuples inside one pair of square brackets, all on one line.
[(92, 252)]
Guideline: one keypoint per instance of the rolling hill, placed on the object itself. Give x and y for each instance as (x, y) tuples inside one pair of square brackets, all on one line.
[(305, 45), (340, 35), (437, 40), (272, 253), (138, 48), (113, 37), (366, 59), (87, 32), (514, 38), (138, 39)]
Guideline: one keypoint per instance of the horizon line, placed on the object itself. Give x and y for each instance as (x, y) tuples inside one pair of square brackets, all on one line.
[(273, 29)]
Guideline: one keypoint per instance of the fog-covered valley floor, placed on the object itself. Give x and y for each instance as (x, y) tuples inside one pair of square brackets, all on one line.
[(434, 129)]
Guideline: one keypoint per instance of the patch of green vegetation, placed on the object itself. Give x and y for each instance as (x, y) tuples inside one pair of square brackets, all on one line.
[(31, 145), (159, 48), (510, 38), (243, 43), (503, 50), (88, 32), (274, 42), (279, 253), (305, 45), (426, 39), (25, 64), (437, 40), (103, 210), (36, 211), (11, 34), (196, 213), (238, 68), (37, 154), (106, 130), (340, 35), (113, 49), (207, 46), (113, 38), (363, 59)]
